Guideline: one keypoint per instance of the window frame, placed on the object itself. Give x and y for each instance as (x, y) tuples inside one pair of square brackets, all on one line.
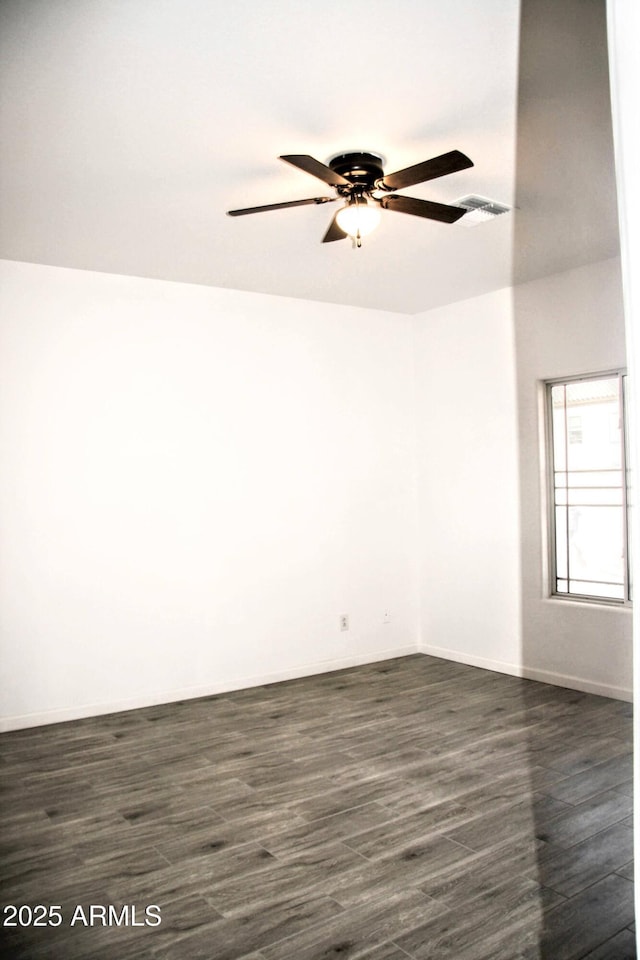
[(621, 375)]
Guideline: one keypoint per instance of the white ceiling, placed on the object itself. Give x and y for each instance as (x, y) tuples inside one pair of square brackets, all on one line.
[(129, 127)]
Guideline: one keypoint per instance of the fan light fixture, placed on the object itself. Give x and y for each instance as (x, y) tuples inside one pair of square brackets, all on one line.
[(360, 181), (358, 218)]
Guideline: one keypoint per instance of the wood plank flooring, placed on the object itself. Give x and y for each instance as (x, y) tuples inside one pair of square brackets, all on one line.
[(415, 808)]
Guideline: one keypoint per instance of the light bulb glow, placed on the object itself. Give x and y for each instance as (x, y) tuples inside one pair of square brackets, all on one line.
[(358, 219)]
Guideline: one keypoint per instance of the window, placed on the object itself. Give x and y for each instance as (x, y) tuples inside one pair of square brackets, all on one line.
[(589, 488)]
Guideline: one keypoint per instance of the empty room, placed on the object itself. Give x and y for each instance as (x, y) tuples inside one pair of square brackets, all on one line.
[(316, 419)]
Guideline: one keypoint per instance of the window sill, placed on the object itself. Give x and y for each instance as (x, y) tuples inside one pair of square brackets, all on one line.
[(586, 602)]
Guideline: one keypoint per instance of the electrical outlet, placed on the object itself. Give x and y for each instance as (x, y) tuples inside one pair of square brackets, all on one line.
[(386, 616), (344, 621)]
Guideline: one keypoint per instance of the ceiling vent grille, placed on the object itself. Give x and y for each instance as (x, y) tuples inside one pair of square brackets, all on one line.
[(480, 209)]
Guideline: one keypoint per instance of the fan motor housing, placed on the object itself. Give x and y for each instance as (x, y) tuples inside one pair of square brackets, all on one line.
[(363, 169)]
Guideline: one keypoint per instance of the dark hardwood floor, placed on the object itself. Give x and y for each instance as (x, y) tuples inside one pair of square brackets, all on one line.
[(409, 809)]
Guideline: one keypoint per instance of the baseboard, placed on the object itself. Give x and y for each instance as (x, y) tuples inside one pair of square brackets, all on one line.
[(83, 711), (578, 683), (65, 714), (530, 673)]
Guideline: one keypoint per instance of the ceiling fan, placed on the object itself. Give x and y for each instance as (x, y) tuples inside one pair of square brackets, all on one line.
[(359, 179)]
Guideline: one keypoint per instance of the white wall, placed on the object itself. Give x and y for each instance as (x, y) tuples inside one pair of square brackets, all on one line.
[(479, 364), (195, 484), (468, 483), (567, 324)]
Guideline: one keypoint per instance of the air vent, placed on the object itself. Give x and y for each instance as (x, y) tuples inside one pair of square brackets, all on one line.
[(480, 209)]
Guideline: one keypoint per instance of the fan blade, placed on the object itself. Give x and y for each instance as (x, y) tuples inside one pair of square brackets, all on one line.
[(279, 206), (423, 208), (334, 232), (316, 169), (428, 170)]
